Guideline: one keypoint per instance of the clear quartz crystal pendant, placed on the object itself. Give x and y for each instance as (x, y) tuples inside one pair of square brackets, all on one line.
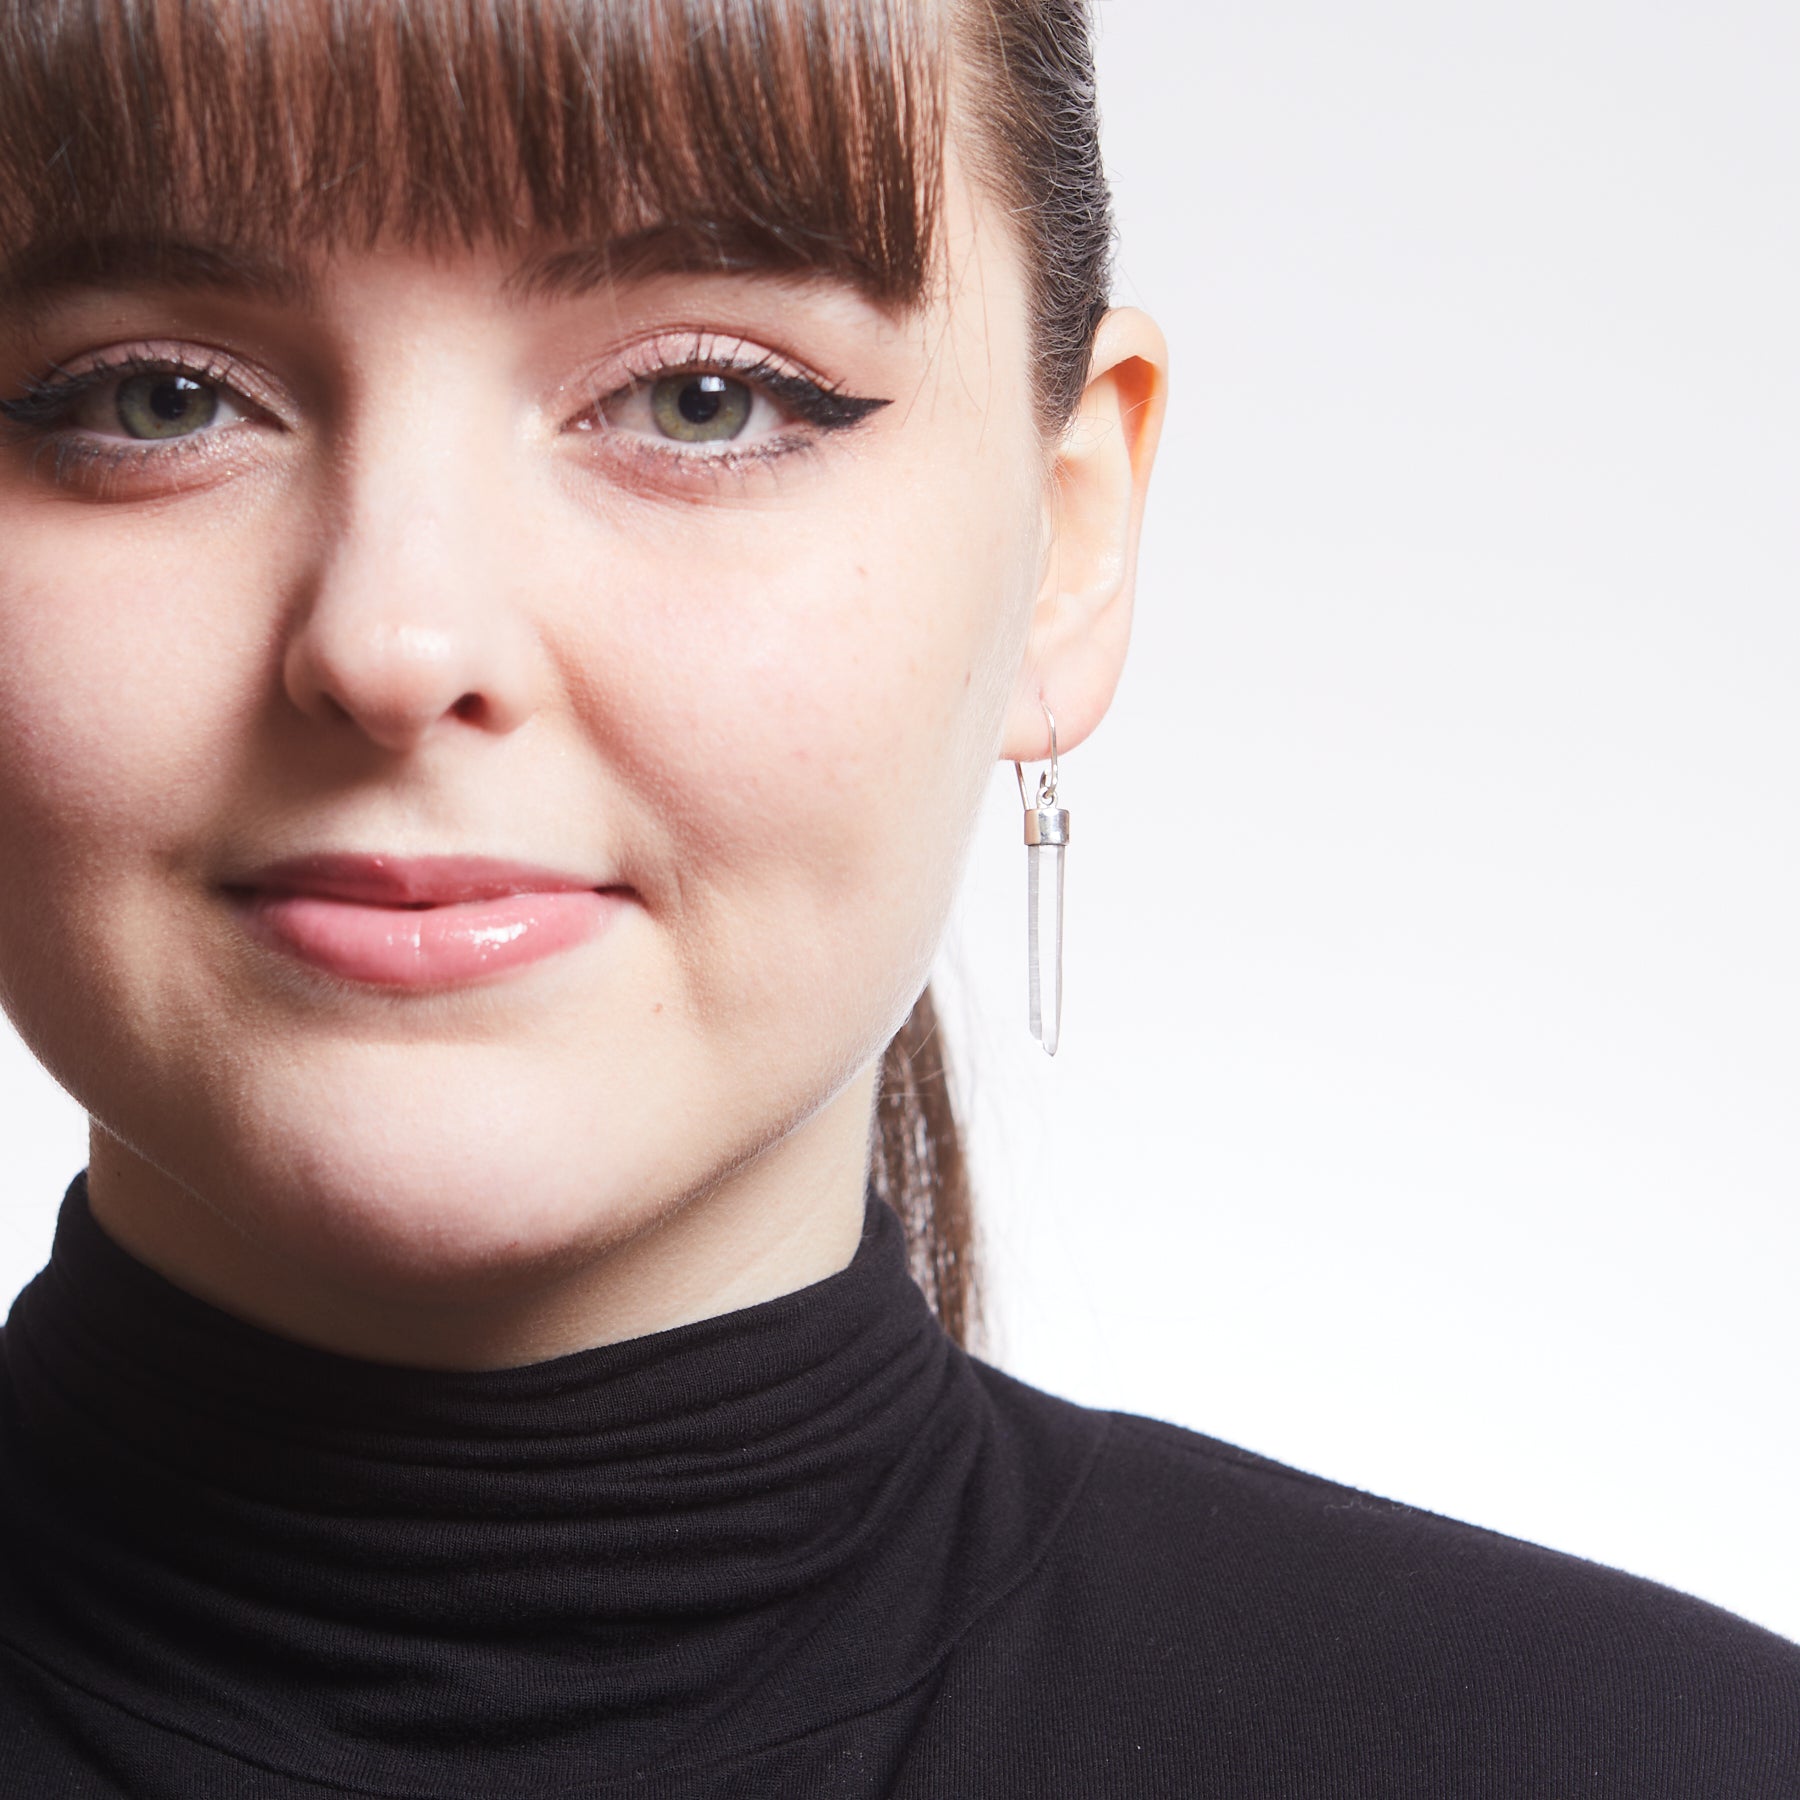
[(1046, 841)]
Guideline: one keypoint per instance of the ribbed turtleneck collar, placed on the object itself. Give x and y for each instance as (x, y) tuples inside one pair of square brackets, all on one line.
[(649, 1550)]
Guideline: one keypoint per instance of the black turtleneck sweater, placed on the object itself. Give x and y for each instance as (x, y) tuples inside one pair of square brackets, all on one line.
[(806, 1550)]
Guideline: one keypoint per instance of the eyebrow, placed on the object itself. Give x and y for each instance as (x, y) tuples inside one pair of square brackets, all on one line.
[(35, 277), (38, 275), (685, 247)]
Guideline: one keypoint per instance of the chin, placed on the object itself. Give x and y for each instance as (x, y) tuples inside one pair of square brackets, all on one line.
[(435, 1167)]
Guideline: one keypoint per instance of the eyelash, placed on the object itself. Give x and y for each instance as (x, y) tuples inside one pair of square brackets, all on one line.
[(821, 404), (46, 402)]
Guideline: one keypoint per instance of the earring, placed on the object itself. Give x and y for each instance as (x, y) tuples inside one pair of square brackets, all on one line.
[(1046, 838)]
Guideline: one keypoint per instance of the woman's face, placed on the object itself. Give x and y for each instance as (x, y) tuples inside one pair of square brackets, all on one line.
[(343, 602)]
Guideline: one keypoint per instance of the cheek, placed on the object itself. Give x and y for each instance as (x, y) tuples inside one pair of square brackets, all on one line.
[(111, 668), (122, 687), (809, 703)]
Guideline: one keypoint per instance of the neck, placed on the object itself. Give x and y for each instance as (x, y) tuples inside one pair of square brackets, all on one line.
[(790, 1216), (547, 1579)]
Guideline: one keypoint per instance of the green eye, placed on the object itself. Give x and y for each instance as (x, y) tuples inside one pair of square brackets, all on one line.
[(165, 406), (700, 409)]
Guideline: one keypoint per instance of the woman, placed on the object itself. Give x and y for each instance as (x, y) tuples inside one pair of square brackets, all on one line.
[(527, 528)]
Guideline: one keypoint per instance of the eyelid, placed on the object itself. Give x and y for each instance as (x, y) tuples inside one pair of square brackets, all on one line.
[(819, 403), (673, 352), (48, 399), (104, 466)]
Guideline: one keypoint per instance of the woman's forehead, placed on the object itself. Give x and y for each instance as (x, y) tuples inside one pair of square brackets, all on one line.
[(799, 134)]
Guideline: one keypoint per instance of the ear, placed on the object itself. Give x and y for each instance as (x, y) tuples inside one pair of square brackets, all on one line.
[(1098, 478)]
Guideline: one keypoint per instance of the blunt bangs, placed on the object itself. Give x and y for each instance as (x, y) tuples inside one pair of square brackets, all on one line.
[(801, 133)]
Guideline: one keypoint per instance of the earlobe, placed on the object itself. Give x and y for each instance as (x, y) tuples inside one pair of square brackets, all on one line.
[(1098, 480)]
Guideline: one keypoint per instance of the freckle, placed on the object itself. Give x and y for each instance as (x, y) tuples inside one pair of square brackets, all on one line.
[(657, 1007)]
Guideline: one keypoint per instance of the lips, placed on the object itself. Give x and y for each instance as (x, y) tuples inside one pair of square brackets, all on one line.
[(419, 922)]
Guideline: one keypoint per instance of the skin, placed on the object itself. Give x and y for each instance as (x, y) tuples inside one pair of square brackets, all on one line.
[(421, 599)]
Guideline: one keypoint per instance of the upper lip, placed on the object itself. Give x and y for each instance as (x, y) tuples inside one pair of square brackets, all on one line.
[(377, 880)]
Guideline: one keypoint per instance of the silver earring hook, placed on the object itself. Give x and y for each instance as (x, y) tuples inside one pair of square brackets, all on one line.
[(1047, 782)]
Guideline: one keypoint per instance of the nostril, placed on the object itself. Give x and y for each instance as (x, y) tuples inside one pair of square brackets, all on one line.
[(471, 709)]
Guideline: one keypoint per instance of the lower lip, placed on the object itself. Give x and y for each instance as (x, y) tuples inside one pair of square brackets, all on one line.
[(432, 946)]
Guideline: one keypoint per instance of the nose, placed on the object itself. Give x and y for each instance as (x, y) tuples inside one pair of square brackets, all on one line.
[(407, 630)]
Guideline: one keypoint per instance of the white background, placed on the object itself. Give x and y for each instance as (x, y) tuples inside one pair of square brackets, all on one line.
[(1426, 1114)]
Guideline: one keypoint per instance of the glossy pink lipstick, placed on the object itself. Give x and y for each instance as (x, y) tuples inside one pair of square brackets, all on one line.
[(419, 921)]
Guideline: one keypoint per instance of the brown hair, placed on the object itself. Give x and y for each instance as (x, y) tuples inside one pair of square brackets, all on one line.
[(800, 133)]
